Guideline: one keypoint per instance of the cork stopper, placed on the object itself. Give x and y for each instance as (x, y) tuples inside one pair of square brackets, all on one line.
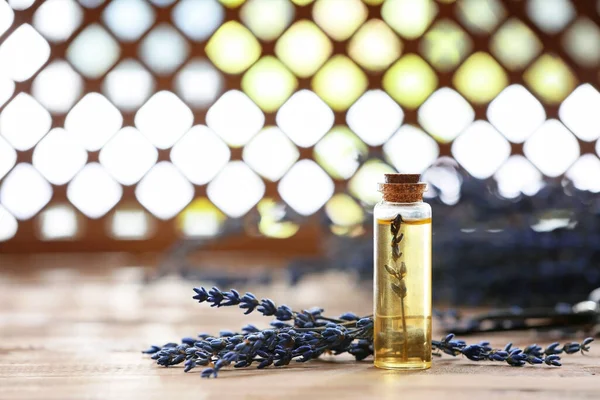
[(402, 188)]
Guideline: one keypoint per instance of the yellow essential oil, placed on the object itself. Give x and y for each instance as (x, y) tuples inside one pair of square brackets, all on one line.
[(402, 336), (402, 275)]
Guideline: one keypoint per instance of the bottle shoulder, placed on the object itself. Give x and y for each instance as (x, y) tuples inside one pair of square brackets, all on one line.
[(415, 211)]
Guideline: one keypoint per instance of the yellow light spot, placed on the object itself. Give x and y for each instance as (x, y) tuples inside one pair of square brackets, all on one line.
[(410, 81), (267, 19), (445, 45), (270, 223), (373, 2), (344, 211), (375, 46), (340, 82), (362, 183), (232, 3), (233, 48), (515, 45), (339, 18), (200, 218), (302, 3), (303, 48), (410, 18), (269, 83), (480, 78), (339, 151), (550, 78)]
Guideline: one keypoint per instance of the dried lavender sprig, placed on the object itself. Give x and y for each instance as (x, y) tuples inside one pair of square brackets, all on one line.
[(249, 302), (532, 354), (352, 334)]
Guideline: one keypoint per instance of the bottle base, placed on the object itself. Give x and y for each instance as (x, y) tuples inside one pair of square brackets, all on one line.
[(402, 365)]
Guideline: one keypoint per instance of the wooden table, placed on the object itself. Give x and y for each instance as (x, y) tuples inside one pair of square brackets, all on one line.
[(65, 334)]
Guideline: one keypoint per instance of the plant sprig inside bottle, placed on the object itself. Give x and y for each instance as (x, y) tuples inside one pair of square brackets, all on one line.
[(397, 272)]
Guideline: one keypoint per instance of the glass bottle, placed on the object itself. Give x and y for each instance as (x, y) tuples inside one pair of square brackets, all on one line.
[(402, 276)]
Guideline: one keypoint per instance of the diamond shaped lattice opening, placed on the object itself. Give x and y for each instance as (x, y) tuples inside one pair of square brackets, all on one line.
[(481, 149), (552, 148), (303, 48), (339, 152), (200, 154), (410, 81), (24, 192), (374, 117), (305, 118), (59, 156), (270, 153), (164, 119), (23, 122), (237, 131), (306, 187), (93, 121), (445, 114), (340, 82), (164, 191), (93, 191), (234, 179), (128, 156), (233, 48), (269, 83), (516, 113)]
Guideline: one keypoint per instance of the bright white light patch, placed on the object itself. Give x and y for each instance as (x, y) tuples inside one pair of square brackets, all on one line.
[(24, 122), (306, 187), (225, 190), (8, 225), (130, 224), (235, 118), (411, 150), (445, 114), (57, 87), (93, 60), (270, 153), (128, 85), (552, 148), (93, 121), (164, 119), (200, 154), (198, 83), (58, 222), (516, 113), (198, 19), (23, 53), (585, 173), (7, 88), (305, 118), (517, 175), (164, 191), (59, 156), (7, 16), (8, 157), (374, 117), (24, 191), (58, 19), (164, 49), (481, 149), (93, 191), (551, 16), (128, 19), (128, 156), (580, 112)]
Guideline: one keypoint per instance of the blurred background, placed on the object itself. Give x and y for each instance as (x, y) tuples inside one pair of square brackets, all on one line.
[(236, 140)]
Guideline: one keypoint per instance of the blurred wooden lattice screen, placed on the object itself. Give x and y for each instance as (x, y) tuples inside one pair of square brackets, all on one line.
[(130, 119)]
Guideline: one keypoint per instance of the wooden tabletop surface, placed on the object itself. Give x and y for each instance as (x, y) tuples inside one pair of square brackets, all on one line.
[(65, 334)]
